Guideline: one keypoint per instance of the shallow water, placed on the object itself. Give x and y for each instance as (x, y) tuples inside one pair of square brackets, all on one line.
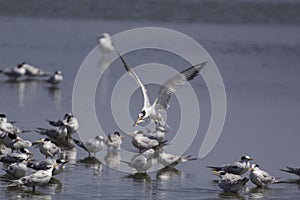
[(259, 66)]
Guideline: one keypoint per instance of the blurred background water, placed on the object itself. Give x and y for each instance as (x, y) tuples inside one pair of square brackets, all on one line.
[(255, 45)]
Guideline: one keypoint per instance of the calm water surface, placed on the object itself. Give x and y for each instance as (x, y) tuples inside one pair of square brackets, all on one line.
[(260, 67)]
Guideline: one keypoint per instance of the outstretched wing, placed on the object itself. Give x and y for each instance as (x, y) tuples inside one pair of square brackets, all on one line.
[(133, 74), (170, 86)]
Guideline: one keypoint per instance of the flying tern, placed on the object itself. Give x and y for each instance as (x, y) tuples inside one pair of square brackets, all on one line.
[(165, 92), (105, 44)]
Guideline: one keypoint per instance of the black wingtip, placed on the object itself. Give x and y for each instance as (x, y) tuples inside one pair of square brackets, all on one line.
[(201, 65), (127, 67)]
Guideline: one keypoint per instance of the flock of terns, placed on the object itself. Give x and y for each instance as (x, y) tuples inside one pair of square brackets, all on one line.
[(17, 159), (31, 72)]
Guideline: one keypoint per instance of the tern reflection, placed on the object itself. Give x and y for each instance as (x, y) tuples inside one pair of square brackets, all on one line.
[(27, 87), (25, 193), (226, 195), (259, 192), (140, 177), (69, 155), (55, 185), (113, 159), (56, 94), (93, 163), (168, 173)]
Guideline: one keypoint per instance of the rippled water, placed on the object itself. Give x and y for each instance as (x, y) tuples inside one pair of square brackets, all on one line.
[(259, 65)]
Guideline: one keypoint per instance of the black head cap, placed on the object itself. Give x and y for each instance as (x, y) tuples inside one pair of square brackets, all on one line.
[(12, 136)]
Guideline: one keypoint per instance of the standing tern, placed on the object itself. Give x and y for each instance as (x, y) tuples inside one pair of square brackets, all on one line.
[(59, 135), (165, 92), (92, 145), (238, 168), (54, 133), (292, 170), (7, 126), (32, 71), (69, 121), (15, 142), (261, 178), (39, 178), (47, 147), (167, 159), (231, 182), (158, 134), (24, 154), (144, 143), (17, 170), (56, 78), (142, 162), (14, 73), (114, 141), (42, 165)]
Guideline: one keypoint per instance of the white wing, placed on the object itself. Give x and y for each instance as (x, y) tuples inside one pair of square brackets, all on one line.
[(133, 74), (170, 86)]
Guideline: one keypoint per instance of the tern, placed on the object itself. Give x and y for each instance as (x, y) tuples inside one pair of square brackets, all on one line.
[(292, 170), (238, 168), (54, 133), (105, 44), (165, 92), (24, 154), (158, 134), (56, 78), (14, 73), (92, 145), (42, 165), (114, 141), (47, 147), (39, 178), (144, 143), (142, 162), (230, 182), (59, 135), (7, 126), (167, 159), (17, 170), (32, 71), (15, 142), (261, 178), (69, 121)]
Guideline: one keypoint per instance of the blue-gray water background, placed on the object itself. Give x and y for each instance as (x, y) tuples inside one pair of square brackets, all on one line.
[(255, 45)]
